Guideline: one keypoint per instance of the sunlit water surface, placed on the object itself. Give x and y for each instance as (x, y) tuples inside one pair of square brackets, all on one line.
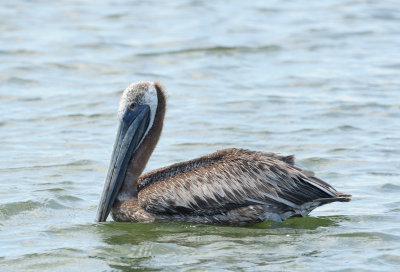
[(319, 79)]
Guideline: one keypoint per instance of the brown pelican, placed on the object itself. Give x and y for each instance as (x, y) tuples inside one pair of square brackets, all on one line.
[(231, 186)]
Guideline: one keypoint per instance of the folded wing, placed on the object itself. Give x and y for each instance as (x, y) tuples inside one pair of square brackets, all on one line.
[(231, 179)]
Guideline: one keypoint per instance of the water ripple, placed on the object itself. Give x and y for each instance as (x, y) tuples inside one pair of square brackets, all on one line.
[(370, 235), (216, 50), (10, 209), (389, 187)]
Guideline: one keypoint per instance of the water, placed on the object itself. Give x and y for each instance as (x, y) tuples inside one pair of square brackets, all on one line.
[(319, 80)]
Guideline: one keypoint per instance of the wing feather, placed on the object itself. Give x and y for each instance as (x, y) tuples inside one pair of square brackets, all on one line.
[(237, 178)]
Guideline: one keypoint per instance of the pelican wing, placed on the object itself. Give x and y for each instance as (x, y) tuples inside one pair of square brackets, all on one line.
[(230, 179)]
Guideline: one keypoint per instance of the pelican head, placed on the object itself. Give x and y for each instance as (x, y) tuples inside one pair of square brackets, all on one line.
[(139, 126)]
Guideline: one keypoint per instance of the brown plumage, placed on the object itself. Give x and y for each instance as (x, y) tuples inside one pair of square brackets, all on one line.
[(231, 186)]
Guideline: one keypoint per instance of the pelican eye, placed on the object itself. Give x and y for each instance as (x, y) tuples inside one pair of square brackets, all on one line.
[(132, 106)]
